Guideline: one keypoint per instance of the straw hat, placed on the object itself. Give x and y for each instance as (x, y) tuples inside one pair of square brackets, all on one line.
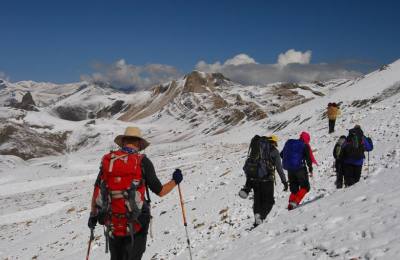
[(131, 131)]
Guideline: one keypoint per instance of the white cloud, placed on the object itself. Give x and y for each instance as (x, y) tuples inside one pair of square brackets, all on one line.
[(237, 60), (240, 59), (4, 76), (127, 76), (292, 56), (291, 66), (203, 66)]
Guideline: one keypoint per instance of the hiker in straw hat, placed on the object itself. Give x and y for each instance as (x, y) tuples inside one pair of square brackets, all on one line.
[(119, 199), (135, 135)]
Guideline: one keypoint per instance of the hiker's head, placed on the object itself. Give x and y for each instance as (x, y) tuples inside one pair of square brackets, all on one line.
[(132, 138), (305, 137), (131, 142), (356, 130)]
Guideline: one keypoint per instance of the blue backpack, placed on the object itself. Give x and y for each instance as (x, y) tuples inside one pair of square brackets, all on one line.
[(293, 155)]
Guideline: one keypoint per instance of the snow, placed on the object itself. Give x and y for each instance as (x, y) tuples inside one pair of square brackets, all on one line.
[(29, 215), (21, 187), (345, 225), (45, 201)]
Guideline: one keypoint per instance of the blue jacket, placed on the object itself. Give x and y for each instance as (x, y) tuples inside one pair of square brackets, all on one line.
[(368, 146)]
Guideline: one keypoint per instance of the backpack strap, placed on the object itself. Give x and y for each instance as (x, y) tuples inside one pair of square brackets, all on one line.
[(115, 157)]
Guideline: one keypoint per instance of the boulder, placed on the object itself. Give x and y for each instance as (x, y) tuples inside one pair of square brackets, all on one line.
[(27, 103), (72, 113)]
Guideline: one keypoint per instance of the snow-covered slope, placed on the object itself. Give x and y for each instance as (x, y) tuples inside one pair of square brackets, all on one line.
[(44, 201)]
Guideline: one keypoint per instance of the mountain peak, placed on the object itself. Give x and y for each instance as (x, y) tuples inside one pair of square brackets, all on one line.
[(202, 82)]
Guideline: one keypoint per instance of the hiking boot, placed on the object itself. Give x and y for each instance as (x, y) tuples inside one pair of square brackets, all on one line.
[(292, 205), (257, 219), (243, 194)]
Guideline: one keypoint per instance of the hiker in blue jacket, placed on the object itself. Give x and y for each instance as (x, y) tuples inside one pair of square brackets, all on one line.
[(353, 154), (297, 157)]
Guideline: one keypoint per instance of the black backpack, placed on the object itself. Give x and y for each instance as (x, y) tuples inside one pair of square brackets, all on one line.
[(338, 147), (354, 147), (259, 164)]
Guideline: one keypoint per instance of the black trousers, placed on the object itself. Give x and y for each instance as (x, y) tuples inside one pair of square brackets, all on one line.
[(121, 247), (352, 174), (263, 196), (332, 125), (339, 174), (298, 179)]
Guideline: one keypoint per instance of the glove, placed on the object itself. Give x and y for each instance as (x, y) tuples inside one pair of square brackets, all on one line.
[(177, 176), (286, 186), (92, 221)]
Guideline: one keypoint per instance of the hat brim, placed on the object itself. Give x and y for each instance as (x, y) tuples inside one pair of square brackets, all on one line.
[(143, 143)]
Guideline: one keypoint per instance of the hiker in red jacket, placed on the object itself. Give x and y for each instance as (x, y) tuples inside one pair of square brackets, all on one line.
[(296, 154), (119, 201)]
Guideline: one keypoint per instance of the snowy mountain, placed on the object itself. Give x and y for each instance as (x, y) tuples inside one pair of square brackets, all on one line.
[(202, 123), (199, 103), (213, 104)]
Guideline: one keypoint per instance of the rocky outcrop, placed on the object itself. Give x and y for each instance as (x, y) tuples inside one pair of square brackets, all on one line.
[(196, 82), (72, 113), (27, 103), (200, 82), (219, 102), (112, 110), (27, 143)]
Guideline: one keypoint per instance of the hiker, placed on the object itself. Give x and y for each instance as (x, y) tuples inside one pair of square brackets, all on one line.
[(338, 162), (297, 154), (263, 159), (353, 154), (119, 201), (333, 112)]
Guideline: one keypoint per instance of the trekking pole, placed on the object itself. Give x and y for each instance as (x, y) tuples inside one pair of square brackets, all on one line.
[(184, 221), (90, 242)]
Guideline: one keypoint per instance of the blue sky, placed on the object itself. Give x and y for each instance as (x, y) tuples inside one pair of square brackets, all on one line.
[(60, 41)]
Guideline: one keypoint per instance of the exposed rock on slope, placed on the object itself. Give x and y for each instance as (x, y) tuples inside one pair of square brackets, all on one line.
[(111, 110), (26, 143), (72, 113), (27, 103)]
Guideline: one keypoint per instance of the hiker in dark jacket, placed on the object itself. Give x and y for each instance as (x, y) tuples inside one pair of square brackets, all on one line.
[(125, 164), (263, 188), (353, 154), (338, 162), (297, 154)]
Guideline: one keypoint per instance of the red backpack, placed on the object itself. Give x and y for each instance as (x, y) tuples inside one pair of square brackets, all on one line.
[(122, 193)]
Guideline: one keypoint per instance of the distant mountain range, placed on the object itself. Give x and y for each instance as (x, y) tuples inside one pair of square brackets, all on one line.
[(197, 104)]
